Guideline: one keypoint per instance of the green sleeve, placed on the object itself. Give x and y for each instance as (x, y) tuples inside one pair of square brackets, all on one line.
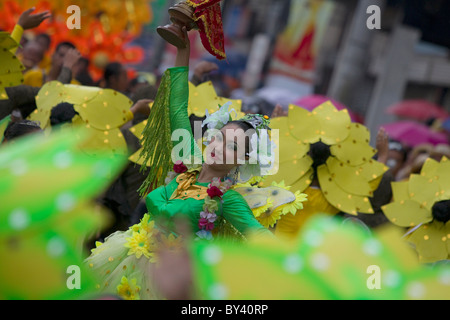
[(238, 213), (178, 110)]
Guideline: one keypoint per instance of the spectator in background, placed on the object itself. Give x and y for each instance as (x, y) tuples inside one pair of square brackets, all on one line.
[(32, 55), (63, 60), (45, 41), (397, 156), (81, 72), (115, 77)]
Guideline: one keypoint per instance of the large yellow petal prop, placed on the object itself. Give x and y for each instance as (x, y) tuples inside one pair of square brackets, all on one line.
[(353, 152), (287, 167), (354, 174), (413, 206), (431, 242), (423, 190), (103, 109), (50, 94), (348, 178), (204, 97), (340, 199), (407, 213), (108, 109), (10, 67), (111, 141), (429, 168), (400, 190), (334, 124), (302, 125), (137, 131), (303, 182), (443, 174)]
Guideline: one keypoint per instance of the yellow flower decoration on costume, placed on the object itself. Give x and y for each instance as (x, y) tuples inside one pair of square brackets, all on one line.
[(171, 243), (294, 206), (128, 290), (204, 97), (146, 224), (349, 176), (415, 205), (140, 244)]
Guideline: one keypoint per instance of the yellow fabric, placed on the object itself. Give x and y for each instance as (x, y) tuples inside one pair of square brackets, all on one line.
[(187, 187), (45, 63), (16, 34), (289, 226)]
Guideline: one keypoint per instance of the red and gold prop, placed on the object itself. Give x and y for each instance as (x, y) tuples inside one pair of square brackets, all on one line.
[(203, 15)]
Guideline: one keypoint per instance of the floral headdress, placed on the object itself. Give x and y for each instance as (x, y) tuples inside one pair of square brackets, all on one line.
[(261, 155)]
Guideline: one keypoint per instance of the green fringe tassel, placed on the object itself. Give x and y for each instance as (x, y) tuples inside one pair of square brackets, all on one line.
[(156, 141), (227, 232)]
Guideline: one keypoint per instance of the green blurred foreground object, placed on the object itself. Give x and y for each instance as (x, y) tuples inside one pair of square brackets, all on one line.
[(331, 261), (46, 187)]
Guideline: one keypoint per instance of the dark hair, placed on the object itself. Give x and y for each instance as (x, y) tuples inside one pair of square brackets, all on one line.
[(319, 153), (65, 44), (398, 146), (111, 70), (62, 113), (244, 126), (20, 128), (441, 211), (46, 37), (192, 119)]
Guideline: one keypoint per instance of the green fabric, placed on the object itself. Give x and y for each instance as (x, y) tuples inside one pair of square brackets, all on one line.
[(331, 260), (3, 125), (47, 185), (234, 209), (169, 113), (179, 117)]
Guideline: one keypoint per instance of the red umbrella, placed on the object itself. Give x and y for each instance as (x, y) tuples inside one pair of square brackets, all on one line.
[(414, 133), (418, 109), (312, 101)]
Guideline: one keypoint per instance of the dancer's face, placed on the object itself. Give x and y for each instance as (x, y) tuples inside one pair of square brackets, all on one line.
[(228, 148)]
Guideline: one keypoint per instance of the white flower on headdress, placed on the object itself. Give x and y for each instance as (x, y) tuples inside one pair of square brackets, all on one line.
[(220, 118), (261, 156)]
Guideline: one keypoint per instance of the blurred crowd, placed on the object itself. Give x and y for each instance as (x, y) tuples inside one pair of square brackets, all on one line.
[(66, 65)]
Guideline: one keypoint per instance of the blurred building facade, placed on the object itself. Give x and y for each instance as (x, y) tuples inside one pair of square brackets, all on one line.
[(365, 69)]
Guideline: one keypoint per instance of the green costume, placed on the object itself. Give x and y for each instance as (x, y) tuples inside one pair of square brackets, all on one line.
[(124, 261)]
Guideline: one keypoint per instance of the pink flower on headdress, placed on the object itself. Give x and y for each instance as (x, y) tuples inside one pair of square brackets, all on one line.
[(179, 167)]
